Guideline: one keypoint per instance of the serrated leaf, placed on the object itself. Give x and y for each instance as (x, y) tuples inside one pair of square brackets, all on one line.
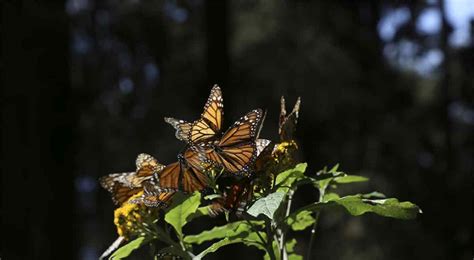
[(127, 249), (301, 220), (267, 205), (285, 180), (229, 230), (350, 179), (356, 205), (180, 209)]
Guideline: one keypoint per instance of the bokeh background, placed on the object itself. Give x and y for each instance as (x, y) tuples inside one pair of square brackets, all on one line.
[(387, 91)]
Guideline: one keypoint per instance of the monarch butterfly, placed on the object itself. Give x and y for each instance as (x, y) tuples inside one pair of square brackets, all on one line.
[(153, 194), (287, 123), (235, 198), (208, 126), (187, 174), (124, 185), (237, 149), (237, 193)]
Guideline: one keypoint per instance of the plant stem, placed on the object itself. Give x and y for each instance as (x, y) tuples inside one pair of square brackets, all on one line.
[(313, 229), (283, 253), (258, 233), (271, 253)]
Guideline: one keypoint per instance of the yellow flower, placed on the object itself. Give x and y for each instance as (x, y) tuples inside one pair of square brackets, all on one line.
[(133, 219)]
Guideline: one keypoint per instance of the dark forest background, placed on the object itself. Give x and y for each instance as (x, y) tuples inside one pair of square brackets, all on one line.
[(387, 91)]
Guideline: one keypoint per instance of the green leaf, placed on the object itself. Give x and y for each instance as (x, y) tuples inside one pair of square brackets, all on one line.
[(301, 220), (127, 249), (356, 205), (181, 208), (330, 196), (374, 194), (285, 180), (350, 179), (235, 232), (229, 230), (290, 250), (267, 205), (201, 211), (248, 239), (334, 168)]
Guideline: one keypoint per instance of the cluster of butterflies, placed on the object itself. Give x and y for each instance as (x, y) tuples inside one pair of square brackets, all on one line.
[(208, 148)]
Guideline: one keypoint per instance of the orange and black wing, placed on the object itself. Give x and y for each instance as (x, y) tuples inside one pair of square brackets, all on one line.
[(119, 186), (237, 150), (147, 165), (207, 126), (236, 159), (182, 127), (235, 198), (170, 176), (154, 196), (187, 174), (246, 128)]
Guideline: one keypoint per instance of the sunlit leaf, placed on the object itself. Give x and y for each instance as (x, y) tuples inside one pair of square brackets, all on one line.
[(290, 250), (374, 194), (248, 239), (330, 196), (356, 205), (301, 220), (267, 205), (180, 209), (350, 179), (229, 230), (334, 168), (285, 180), (127, 249)]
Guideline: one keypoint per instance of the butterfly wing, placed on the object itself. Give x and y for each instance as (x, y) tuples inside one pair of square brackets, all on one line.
[(237, 150), (235, 198), (147, 165), (182, 127), (154, 196), (261, 145), (244, 129), (207, 126), (194, 165), (169, 177), (236, 159), (214, 109)]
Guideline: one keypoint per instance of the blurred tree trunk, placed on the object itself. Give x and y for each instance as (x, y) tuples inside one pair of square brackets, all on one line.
[(37, 137), (444, 85), (217, 42)]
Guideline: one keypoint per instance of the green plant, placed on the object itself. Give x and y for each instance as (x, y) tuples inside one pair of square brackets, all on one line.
[(266, 218), (269, 218)]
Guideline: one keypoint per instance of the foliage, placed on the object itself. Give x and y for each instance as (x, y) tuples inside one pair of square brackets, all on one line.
[(268, 219)]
